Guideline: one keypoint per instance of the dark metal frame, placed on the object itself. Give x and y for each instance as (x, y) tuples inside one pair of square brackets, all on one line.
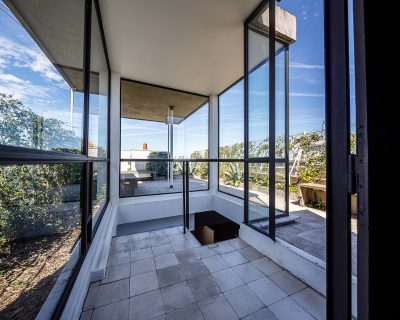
[(337, 150), (271, 159), (13, 155)]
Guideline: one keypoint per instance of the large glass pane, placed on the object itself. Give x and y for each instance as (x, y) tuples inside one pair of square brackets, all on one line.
[(280, 187), (280, 102), (39, 229), (98, 100), (231, 122), (41, 84), (258, 94), (99, 187), (231, 178), (259, 195)]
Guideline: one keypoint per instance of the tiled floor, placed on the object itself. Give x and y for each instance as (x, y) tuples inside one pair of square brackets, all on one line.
[(168, 275)]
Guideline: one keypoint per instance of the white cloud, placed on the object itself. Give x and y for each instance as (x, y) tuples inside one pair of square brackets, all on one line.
[(299, 65), (17, 55)]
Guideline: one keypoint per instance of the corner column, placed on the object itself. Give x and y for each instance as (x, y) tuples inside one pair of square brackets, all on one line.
[(115, 136), (213, 142)]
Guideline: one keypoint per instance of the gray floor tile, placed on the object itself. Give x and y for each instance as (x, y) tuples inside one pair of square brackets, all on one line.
[(267, 291), (141, 254), (181, 245), (185, 256), (119, 258), (287, 282), (112, 292), (117, 272), (120, 247), (140, 236), (158, 240), (194, 269), (250, 253), (247, 272), (86, 315), (142, 266), (223, 247), (266, 266), (227, 279), (205, 252), (141, 244), (90, 298), (115, 311), (170, 275), (188, 312), (215, 263), (195, 243), (217, 308), (146, 306), (203, 287), (166, 260), (163, 249), (263, 314), (288, 309), (238, 243), (176, 296), (311, 301), (233, 258), (143, 283), (162, 317), (243, 301)]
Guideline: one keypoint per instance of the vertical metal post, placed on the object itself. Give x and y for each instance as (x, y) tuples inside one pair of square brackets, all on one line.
[(187, 194), (287, 178), (271, 230), (171, 170), (246, 126), (184, 196), (338, 149), (86, 212)]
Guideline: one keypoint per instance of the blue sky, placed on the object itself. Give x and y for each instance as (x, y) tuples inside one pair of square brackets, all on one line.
[(28, 74)]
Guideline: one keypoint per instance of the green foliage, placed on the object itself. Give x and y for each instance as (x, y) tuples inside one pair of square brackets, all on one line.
[(20, 126), (31, 197), (312, 167), (160, 167), (199, 169)]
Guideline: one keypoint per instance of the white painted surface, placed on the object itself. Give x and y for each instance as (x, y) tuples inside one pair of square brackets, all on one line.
[(114, 137), (184, 44), (213, 142), (94, 266)]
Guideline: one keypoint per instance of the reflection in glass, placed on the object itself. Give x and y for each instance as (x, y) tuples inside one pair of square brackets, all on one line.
[(41, 100), (98, 100), (99, 187), (259, 195), (39, 229)]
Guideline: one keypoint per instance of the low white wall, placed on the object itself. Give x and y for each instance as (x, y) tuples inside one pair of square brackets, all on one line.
[(94, 265), (161, 206)]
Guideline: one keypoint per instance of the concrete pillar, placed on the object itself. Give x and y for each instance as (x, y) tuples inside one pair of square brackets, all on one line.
[(115, 137), (213, 142)]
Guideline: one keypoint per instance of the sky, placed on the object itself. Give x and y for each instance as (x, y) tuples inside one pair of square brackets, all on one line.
[(28, 74)]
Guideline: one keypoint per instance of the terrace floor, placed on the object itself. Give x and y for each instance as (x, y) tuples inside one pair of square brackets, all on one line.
[(165, 274)]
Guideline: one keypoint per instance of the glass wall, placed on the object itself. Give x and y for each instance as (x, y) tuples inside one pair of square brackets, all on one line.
[(231, 139), (267, 121), (47, 169), (157, 124)]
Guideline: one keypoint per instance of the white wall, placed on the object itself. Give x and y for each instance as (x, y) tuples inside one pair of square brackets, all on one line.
[(114, 137)]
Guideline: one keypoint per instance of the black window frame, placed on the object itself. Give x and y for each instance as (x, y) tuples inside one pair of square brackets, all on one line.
[(13, 155)]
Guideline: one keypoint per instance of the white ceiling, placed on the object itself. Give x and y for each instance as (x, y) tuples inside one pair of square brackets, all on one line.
[(192, 45)]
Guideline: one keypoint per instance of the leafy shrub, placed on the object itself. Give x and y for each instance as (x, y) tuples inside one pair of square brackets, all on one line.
[(161, 168)]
